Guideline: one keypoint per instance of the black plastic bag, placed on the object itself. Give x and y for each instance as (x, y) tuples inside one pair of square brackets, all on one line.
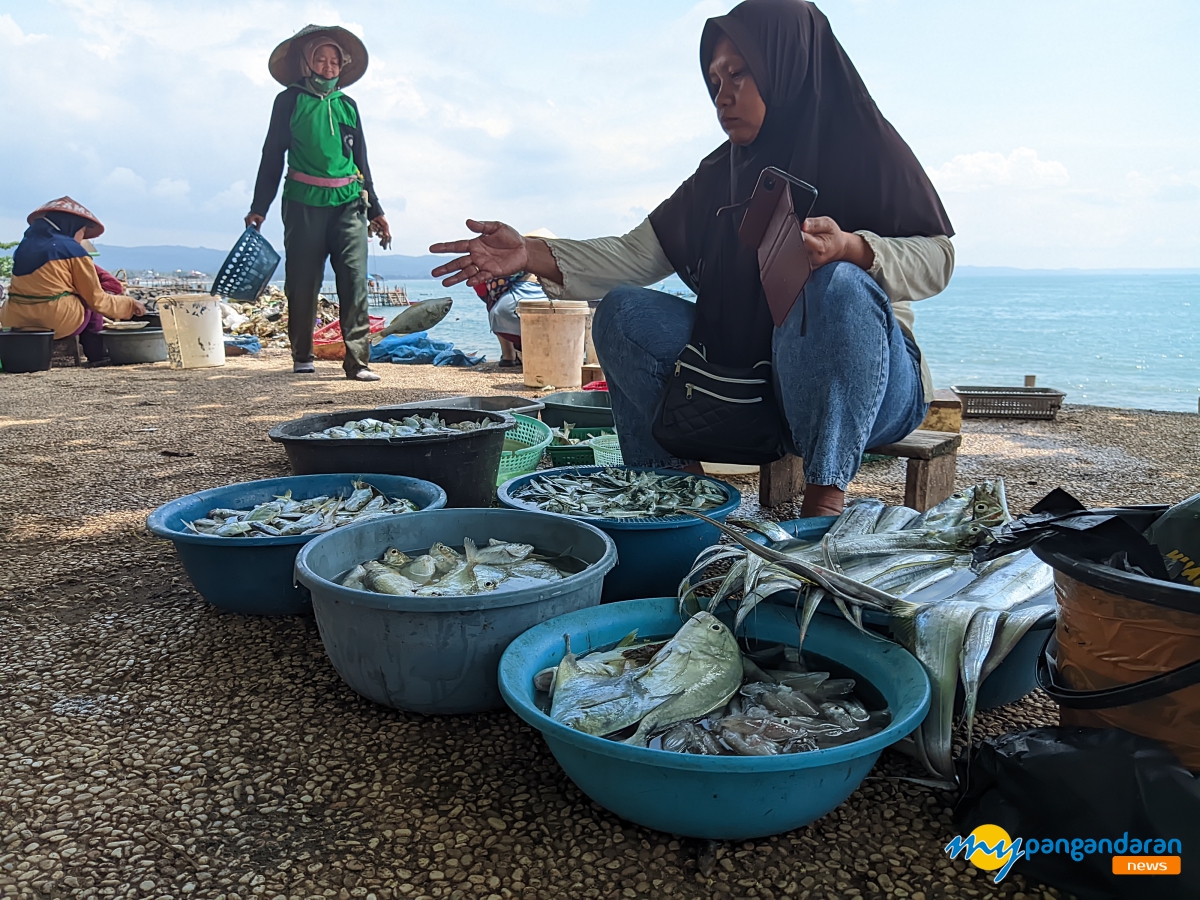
[(1081, 783)]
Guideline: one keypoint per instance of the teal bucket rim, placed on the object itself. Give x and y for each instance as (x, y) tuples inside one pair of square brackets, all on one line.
[(897, 729), (158, 522)]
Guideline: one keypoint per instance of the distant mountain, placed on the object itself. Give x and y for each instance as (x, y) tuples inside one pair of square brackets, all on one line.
[(168, 259), (394, 266), (1013, 272)]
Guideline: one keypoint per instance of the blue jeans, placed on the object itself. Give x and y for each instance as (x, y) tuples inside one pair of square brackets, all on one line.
[(851, 381)]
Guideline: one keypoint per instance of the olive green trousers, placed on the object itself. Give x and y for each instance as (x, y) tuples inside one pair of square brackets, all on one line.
[(310, 235)]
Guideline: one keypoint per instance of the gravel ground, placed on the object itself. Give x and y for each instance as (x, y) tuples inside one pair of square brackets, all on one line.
[(153, 747)]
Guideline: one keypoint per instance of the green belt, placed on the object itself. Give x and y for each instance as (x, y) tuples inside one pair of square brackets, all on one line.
[(34, 298)]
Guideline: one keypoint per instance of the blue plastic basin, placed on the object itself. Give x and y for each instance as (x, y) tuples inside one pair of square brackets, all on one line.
[(253, 575), (653, 555), (1013, 679), (438, 655), (715, 797)]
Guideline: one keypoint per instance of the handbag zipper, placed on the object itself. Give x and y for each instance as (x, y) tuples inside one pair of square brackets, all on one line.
[(680, 364), (693, 387)]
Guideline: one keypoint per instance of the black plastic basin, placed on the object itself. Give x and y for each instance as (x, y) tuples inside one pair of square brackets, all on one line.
[(26, 351), (463, 464)]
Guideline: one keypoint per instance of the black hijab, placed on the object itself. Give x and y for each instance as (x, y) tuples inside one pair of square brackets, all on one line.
[(821, 126), (66, 223)]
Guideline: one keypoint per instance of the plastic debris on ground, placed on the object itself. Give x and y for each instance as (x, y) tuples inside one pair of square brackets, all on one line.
[(419, 348), (241, 344)]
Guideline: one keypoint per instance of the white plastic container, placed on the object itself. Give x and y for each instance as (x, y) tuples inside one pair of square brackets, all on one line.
[(552, 341), (192, 329)]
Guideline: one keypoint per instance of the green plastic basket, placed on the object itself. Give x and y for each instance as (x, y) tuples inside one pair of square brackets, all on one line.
[(521, 462), (607, 450), (576, 454)]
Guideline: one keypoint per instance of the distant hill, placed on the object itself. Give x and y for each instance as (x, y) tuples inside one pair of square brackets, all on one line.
[(1013, 272), (201, 259), (394, 266)]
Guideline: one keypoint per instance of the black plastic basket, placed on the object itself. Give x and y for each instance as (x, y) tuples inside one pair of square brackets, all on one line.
[(247, 269)]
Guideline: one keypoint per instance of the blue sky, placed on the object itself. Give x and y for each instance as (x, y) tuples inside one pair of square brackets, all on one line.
[(1059, 133)]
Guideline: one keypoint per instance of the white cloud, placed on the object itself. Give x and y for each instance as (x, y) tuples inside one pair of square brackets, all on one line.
[(123, 179), (12, 35), (172, 189), (983, 170)]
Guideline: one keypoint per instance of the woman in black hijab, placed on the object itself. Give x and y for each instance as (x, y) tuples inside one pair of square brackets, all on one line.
[(847, 372)]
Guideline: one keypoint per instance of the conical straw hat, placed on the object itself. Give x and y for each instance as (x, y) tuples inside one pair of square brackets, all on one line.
[(286, 65), (67, 205)]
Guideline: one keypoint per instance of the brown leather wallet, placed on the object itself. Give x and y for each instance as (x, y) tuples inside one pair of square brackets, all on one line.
[(770, 225)]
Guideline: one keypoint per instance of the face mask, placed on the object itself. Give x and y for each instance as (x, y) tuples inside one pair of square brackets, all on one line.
[(324, 85)]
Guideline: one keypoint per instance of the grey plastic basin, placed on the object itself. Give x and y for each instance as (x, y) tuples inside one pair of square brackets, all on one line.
[(439, 655)]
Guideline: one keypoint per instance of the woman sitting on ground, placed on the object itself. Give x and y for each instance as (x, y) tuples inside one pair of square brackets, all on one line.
[(54, 283), (847, 372)]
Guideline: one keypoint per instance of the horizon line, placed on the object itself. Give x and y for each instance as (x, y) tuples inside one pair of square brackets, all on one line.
[(1178, 270)]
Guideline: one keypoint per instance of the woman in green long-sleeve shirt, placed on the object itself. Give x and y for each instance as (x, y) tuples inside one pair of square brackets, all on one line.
[(328, 196)]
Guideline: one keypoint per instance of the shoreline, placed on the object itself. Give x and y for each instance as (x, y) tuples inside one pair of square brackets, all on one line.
[(213, 748)]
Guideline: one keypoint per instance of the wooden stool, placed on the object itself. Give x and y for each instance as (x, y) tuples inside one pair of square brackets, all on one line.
[(932, 464), (945, 413), (66, 348)]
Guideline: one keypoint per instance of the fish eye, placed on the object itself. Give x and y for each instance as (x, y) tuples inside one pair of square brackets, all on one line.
[(715, 627)]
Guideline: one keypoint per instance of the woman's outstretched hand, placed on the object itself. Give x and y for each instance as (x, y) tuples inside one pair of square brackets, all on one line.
[(827, 243), (499, 250)]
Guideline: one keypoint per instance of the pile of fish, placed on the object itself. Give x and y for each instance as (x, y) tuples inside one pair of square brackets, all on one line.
[(620, 494), (409, 426), (697, 693), (444, 572), (958, 618), (283, 516), (562, 436)]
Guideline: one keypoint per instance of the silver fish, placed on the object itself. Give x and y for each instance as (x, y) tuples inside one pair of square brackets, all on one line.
[(416, 317), (859, 518), (386, 580), (895, 518), (420, 570), (695, 672), (354, 579), (497, 553)]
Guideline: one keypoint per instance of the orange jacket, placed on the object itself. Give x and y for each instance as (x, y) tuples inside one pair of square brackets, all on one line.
[(54, 295)]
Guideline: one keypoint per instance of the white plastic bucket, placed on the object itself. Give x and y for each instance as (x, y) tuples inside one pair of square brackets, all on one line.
[(552, 341), (192, 328)]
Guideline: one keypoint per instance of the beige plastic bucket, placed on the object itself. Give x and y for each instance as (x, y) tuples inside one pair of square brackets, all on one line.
[(589, 348), (552, 341), (191, 325)]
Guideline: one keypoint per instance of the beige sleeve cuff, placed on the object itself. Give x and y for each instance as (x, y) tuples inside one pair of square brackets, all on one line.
[(910, 268), (594, 267)]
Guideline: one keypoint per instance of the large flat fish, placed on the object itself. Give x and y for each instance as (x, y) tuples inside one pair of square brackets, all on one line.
[(417, 317)]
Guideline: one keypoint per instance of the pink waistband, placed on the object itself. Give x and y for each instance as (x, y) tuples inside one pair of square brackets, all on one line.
[(320, 182)]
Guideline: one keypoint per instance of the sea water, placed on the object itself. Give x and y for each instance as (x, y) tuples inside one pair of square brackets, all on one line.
[(1107, 340)]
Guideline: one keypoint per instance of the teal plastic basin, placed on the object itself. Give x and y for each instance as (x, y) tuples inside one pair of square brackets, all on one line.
[(653, 554), (253, 575), (714, 797)]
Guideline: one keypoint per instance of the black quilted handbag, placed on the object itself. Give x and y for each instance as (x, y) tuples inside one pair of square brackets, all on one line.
[(720, 414)]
